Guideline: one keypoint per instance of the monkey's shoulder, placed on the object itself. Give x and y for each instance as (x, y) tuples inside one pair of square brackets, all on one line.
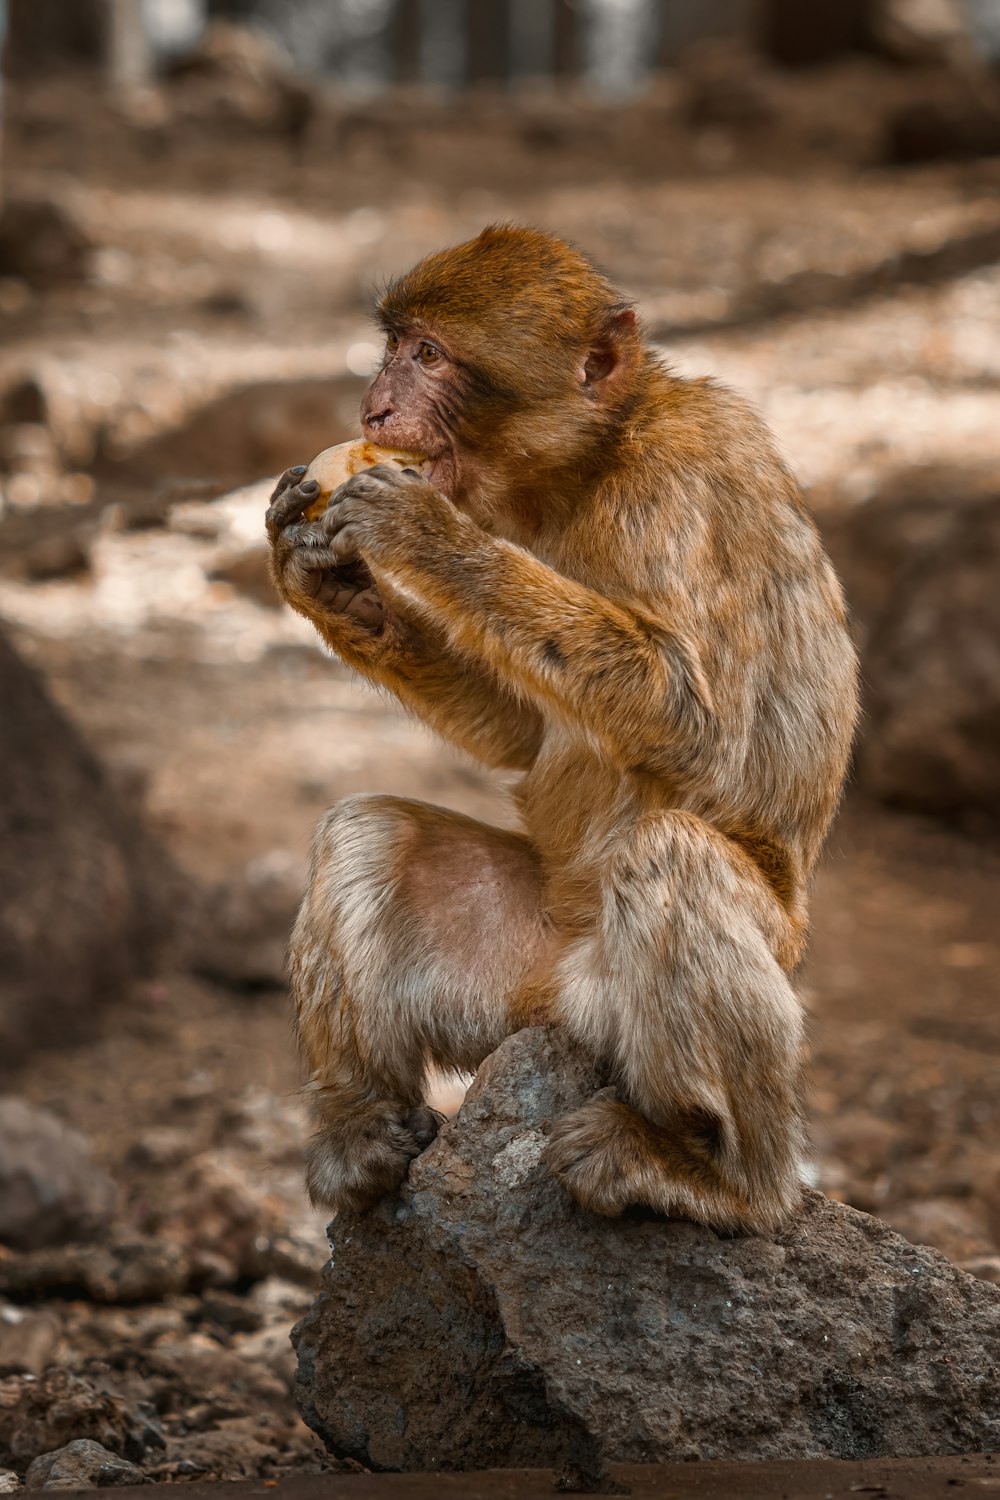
[(702, 429)]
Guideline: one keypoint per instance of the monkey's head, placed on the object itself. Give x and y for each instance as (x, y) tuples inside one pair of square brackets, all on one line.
[(507, 357)]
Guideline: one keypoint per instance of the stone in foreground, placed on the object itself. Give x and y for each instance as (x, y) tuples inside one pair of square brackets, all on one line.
[(482, 1320)]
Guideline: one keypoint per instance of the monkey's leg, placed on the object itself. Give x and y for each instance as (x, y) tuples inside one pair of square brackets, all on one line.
[(678, 988), (415, 934)]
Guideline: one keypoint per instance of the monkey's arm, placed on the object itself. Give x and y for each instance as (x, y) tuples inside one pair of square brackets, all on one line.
[(420, 666), (629, 680), (380, 635)]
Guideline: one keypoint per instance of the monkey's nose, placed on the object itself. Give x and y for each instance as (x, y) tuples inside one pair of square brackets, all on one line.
[(377, 418)]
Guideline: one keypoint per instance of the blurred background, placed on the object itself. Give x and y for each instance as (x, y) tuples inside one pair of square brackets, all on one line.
[(196, 200)]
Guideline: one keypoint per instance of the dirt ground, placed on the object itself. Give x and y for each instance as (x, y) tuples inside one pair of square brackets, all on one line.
[(229, 257)]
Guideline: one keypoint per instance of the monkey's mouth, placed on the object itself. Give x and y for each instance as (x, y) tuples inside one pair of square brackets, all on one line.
[(441, 468)]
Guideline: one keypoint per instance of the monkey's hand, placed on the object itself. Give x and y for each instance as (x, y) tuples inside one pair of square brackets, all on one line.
[(318, 580), (385, 514)]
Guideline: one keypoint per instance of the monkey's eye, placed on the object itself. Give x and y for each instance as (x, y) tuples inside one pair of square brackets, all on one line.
[(391, 343), (428, 354)]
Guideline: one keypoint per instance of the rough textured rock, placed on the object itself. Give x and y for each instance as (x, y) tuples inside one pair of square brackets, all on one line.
[(50, 1190), (81, 1465), (480, 1319), (920, 562)]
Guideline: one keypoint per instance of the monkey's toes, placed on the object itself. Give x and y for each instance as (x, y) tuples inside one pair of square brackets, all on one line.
[(424, 1124), (365, 1157), (584, 1154)]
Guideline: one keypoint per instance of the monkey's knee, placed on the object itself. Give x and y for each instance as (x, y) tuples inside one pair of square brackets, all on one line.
[(344, 956)]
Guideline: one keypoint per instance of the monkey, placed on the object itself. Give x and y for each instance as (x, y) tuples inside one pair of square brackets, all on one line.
[(607, 583)]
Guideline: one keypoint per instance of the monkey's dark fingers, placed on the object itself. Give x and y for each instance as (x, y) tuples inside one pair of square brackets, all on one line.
[(312, 571), (370, 484), (287, 505), (346, 546), (289, 477)]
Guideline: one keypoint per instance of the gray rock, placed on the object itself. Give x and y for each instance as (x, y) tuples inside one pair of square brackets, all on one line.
[(50, 1190), (81, 1465), (480, 1319)]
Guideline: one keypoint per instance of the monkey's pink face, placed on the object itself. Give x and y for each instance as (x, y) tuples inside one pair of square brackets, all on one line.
[(414, 403)]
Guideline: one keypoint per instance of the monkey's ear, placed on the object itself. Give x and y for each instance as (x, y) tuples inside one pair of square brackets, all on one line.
[(610, 350)]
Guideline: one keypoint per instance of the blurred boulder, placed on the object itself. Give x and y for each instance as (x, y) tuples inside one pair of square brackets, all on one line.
[(81, 1465), (220, 1216), (986, 1267), (798, 36), (232, 49), (64, 555), (38, 1416), (130, 1270), (9, 1482), (726, 83), (253, 430), (43, 32), (86, 895), (25, 401), (50, 1190), (920, 31), (42, 243), (920, 563), (242, 938), (481, 1319), (248, 571), (242, 71), (952, 1225), (238, 1447), (29, 448), (28, 1340), (960, 125), (199, 1367)]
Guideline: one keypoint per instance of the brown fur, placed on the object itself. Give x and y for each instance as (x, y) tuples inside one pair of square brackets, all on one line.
[(610, 585)]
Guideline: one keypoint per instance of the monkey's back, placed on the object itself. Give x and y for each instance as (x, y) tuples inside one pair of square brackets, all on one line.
[(703, 534)]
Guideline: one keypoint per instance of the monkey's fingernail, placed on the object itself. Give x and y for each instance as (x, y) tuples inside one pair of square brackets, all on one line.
[(298, 469)]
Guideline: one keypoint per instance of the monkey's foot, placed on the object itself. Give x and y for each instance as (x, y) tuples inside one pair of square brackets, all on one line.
[(593, 1154), (608, 1157), (353, 1161)]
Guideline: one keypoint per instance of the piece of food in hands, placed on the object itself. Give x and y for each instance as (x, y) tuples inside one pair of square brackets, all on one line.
[(334, 466)]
